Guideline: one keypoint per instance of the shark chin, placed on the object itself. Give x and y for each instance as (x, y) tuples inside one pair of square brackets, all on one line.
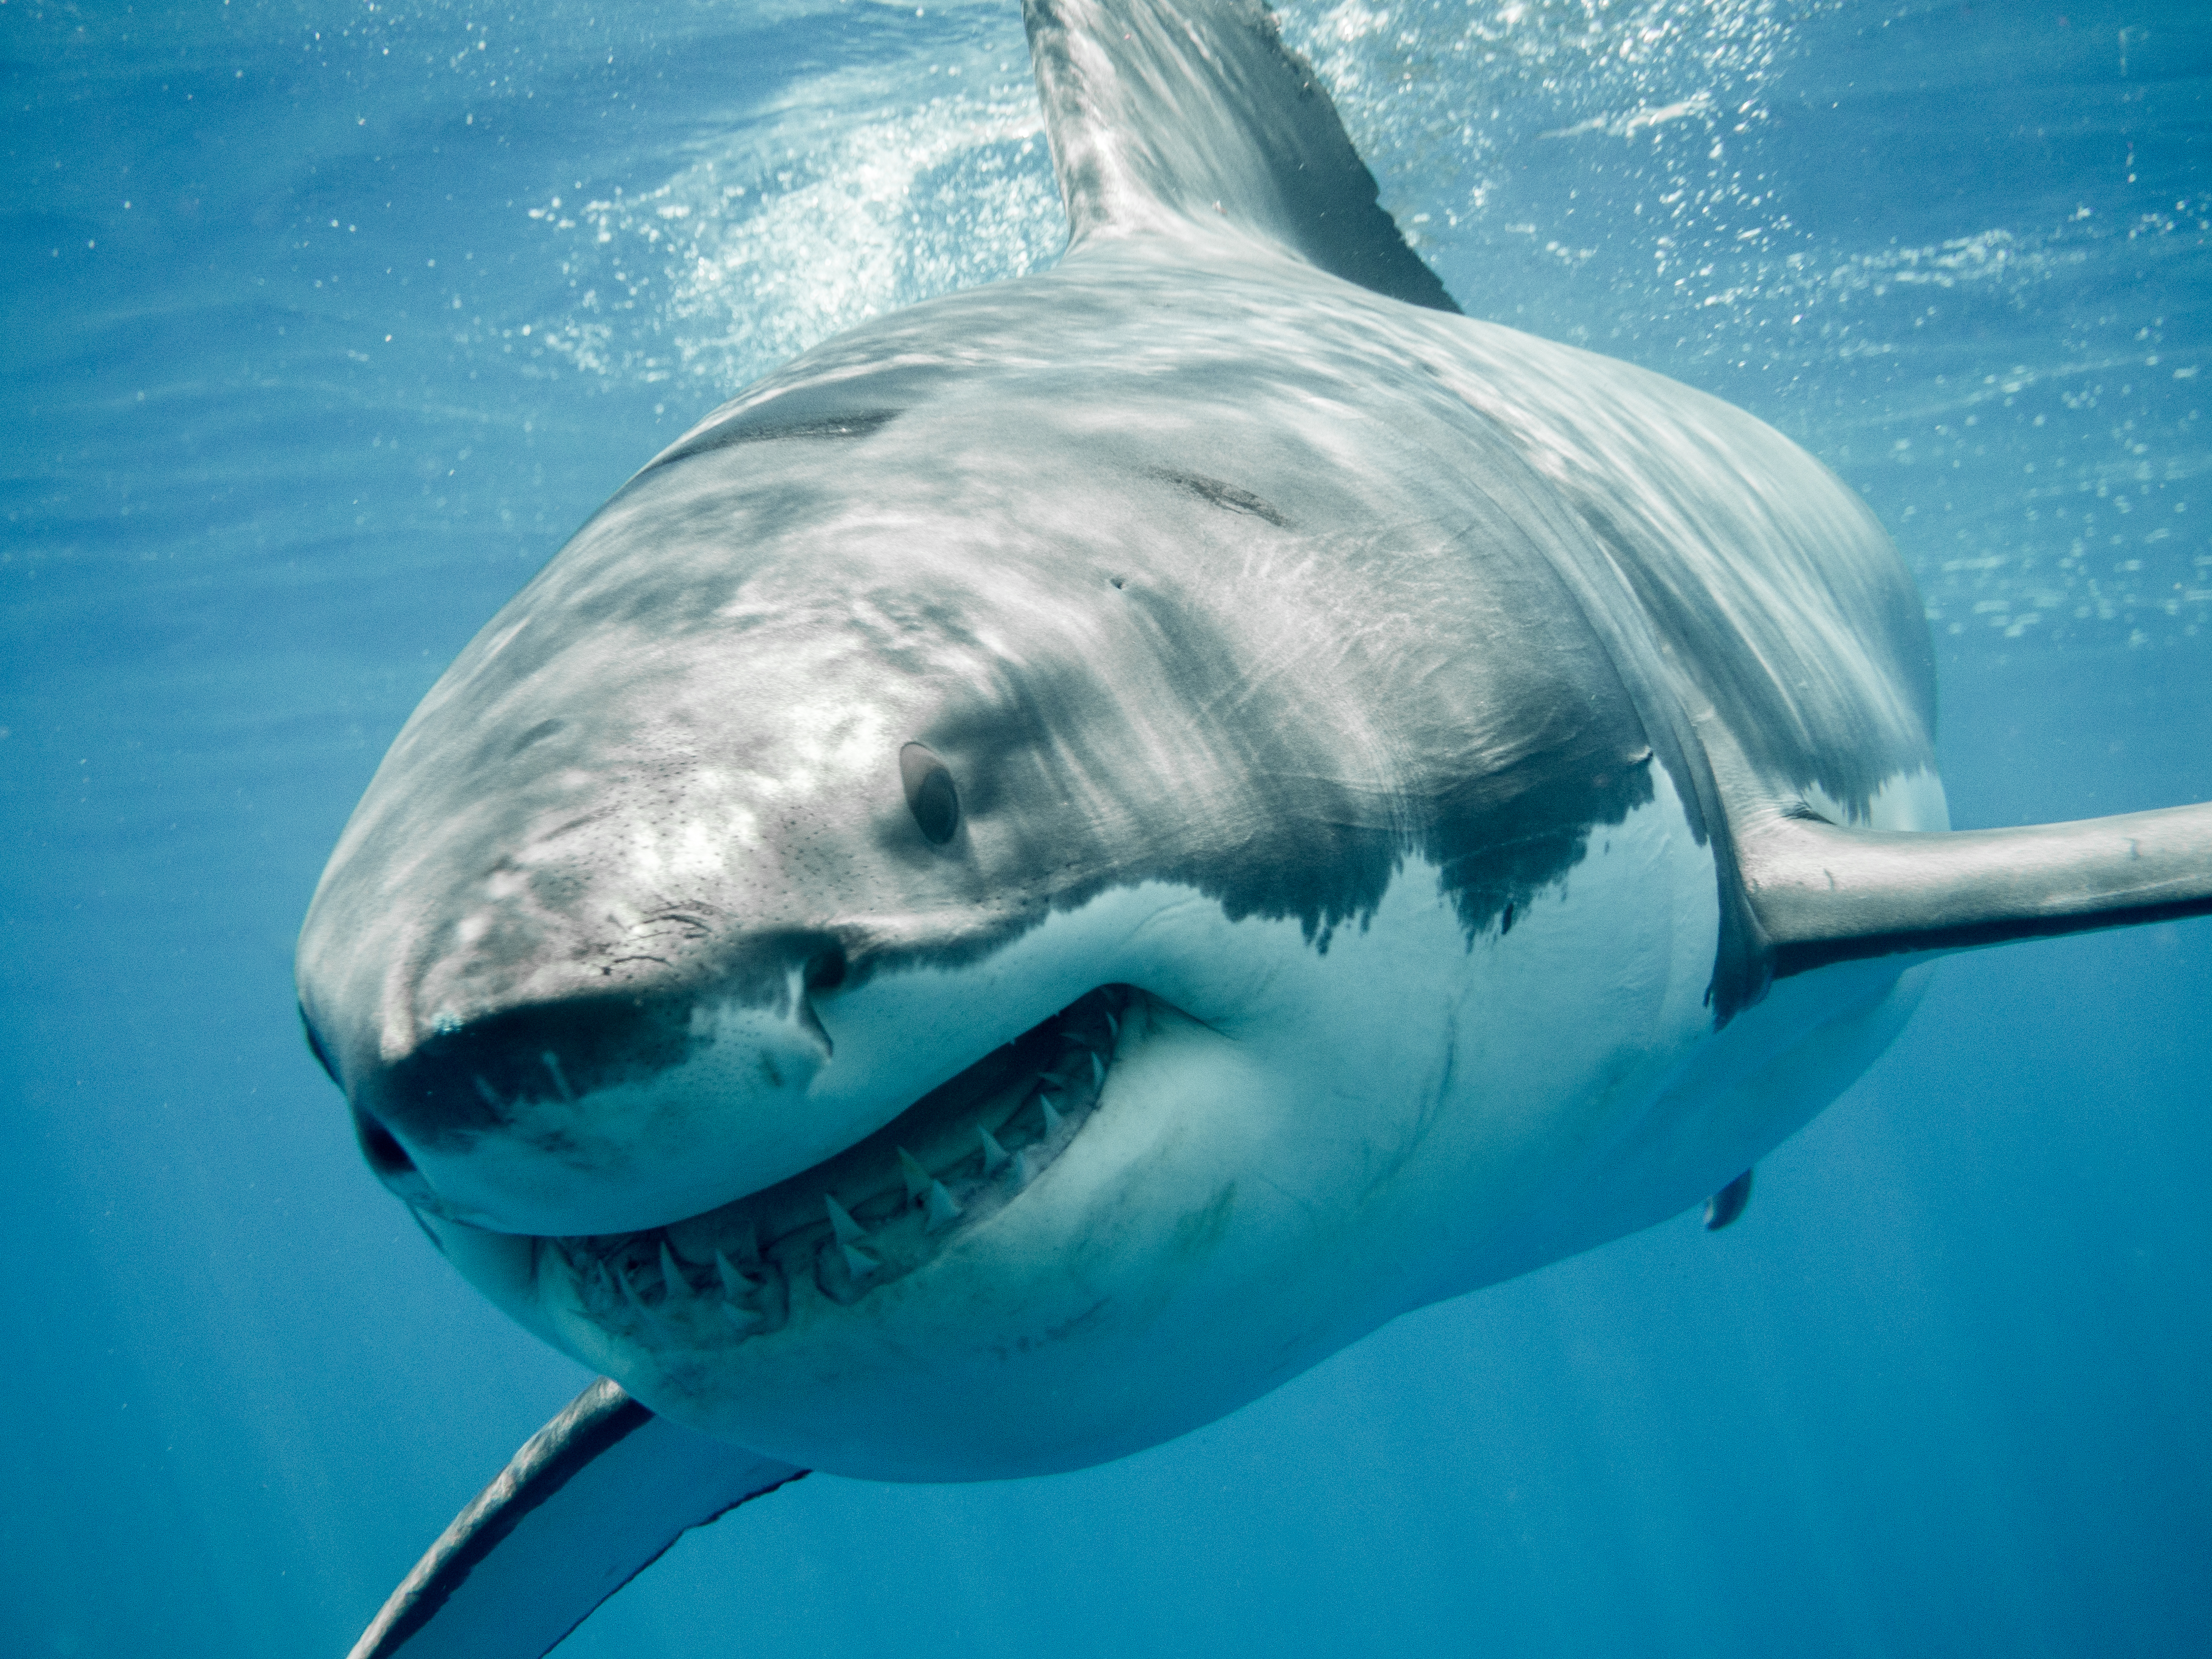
[(937, 1301)]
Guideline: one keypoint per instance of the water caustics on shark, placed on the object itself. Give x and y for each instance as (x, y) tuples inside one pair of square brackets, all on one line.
[(1087, 843)]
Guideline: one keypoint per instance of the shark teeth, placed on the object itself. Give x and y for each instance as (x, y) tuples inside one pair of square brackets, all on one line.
[(848, 1234), (650, 1316), (996, 1157), (848, 1230), (943, 1212), (734, 1283), (679, 1287), (917, 1178)]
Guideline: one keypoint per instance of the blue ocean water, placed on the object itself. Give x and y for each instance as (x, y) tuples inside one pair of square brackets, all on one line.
[(325, 322)]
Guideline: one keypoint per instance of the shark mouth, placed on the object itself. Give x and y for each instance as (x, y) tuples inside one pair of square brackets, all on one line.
[(872, 1214)]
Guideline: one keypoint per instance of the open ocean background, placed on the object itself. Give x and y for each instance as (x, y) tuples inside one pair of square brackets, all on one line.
[(326, 321)]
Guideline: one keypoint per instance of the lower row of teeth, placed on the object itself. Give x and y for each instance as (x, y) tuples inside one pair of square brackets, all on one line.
[(715, 1268)]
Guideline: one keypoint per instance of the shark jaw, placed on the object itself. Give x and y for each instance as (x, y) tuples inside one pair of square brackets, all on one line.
[(865, 1218), (998, 1209)]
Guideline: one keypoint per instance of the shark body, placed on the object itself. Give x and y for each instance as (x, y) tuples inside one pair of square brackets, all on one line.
[(1086, 844)]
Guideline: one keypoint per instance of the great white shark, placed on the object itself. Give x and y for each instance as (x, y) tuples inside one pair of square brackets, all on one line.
[(1083, 845)]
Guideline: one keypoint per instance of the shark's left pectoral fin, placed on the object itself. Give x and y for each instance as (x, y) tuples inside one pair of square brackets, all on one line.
[(1824, 894), (593, 1497)]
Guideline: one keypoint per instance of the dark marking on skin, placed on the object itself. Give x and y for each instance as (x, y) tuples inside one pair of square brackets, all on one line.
[(845, 408), (536, 733), (1202, 1229), (1726, 1205), (1224, 496), (861, 423), (1387, 1159), (1076, 1322), (577, 823)]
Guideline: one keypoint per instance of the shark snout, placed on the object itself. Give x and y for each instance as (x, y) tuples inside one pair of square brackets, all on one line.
[(484, 1076), (586, 1112)]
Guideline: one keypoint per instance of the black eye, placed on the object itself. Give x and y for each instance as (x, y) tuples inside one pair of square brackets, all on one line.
[(930, 794)]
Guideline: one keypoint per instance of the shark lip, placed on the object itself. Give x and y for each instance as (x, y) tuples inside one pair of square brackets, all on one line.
[(869, 1215)]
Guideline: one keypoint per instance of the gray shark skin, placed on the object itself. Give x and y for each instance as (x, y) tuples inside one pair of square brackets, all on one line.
[(1083, 845)]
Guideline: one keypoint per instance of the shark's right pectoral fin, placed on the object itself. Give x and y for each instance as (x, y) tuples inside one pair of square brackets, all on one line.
[(1822, 893), (593, 1497)]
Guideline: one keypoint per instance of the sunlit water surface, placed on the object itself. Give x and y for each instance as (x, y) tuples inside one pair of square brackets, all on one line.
[(326, 323)]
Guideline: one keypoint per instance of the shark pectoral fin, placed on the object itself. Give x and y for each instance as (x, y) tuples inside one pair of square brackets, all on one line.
[(1195, 113), (1825, 894), (1726, 1205), (592, 1499)]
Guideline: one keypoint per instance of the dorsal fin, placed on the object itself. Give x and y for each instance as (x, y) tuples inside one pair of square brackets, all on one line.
[(1824, 894), (1168, 112)]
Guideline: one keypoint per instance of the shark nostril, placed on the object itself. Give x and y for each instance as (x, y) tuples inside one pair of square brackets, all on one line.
[(385, 1156)]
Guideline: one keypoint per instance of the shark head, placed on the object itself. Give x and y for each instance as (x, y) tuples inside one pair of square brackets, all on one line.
[(896, 965)]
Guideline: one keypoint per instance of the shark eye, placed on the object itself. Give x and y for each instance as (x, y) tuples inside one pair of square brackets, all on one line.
[(931, 795)]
